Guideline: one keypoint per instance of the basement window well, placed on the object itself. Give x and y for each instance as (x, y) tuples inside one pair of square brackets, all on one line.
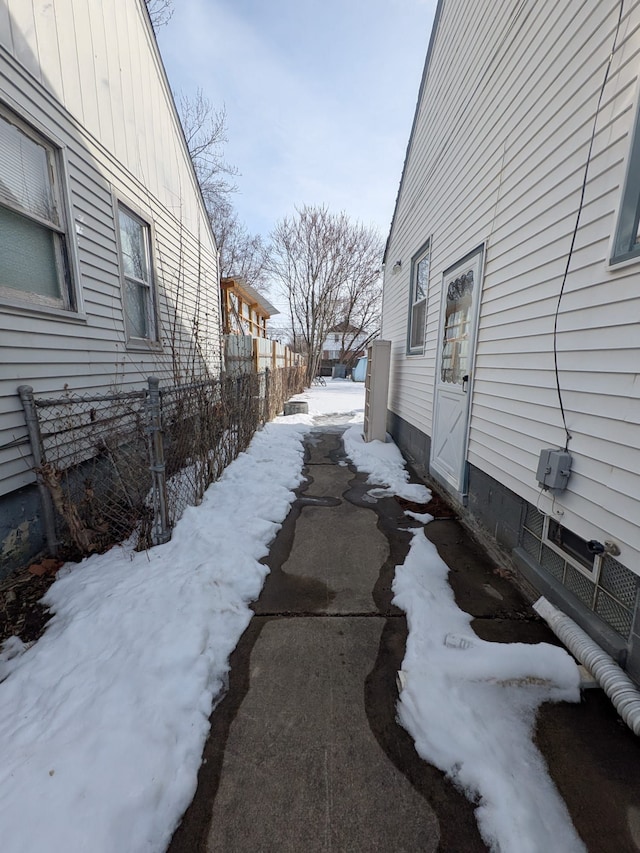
[(598, 581), (572, 547)]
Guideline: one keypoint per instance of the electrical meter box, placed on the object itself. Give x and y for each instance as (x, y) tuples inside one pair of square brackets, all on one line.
[(554, 469)]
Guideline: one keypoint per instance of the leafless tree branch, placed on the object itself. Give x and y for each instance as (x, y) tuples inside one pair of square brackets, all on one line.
[(205, 130), (160, 12), (241, 253), (328, 267)]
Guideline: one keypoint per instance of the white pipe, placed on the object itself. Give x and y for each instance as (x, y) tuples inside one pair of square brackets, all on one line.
[(623, 693)]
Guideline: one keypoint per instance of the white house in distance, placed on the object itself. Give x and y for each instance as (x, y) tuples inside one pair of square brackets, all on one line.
[(511, 294), (344, 343), (108, 266)]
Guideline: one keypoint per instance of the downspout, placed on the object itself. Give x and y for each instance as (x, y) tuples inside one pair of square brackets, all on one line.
[(623, 693)]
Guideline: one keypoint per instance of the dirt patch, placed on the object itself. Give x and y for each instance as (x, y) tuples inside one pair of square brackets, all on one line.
[(21, 614), (437, 507)]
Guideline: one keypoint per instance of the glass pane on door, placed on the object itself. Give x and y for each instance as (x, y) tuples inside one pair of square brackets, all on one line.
[(455, 339)]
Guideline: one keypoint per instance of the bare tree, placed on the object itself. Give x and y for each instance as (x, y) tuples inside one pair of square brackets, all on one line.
[(361, 320), (326, 266), (205, 130), (241, 253), (160, 12)]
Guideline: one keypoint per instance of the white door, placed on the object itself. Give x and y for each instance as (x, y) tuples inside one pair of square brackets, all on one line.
[(461, 287)]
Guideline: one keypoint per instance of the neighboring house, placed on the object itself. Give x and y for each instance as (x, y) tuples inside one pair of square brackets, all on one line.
[(344, 344), (248, 348), (511, 293), (244, 310), (108, 266)]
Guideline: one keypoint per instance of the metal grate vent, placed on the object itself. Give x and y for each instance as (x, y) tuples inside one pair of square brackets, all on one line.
[(579, 585), (530, 544), (534, 521), (619, 581), (553, 563), (614, 596), (613, 614)]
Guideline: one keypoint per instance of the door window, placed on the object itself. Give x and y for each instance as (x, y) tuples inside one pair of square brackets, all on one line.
[(455, 339)]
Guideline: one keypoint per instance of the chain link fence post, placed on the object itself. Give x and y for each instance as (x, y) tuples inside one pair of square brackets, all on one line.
[(267, 409), (37, 451), (161, 528)]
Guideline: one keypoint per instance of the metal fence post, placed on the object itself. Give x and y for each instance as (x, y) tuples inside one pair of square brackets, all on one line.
[(37, 451), (267, 410), (162, 530)]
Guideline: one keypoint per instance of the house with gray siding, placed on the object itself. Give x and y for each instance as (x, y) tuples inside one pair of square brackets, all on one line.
[(511, 295), (108, 266)]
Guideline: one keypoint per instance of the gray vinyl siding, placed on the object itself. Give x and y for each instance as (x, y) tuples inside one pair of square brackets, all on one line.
[(497, 157), (88, 76)]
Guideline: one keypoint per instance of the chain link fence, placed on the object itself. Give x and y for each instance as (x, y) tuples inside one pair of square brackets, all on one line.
[(126, 464)]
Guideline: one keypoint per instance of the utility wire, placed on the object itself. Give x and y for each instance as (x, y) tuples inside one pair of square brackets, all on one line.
[(575, 230)]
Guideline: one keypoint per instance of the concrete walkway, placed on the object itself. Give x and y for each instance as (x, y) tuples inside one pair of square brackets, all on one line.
[(305, 754)]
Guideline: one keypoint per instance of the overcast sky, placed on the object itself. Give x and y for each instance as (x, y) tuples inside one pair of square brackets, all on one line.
[(320, 96)]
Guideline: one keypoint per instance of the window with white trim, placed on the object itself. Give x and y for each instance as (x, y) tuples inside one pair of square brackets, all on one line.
[(572, 547), (34, 260), (135, 261), (626, 244), (418, 301)]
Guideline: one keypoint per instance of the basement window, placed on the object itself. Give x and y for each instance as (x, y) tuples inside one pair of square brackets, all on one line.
[(572, 547)]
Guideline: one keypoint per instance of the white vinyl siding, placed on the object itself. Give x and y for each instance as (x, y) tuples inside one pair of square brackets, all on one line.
[(498, 156), (88, 75)]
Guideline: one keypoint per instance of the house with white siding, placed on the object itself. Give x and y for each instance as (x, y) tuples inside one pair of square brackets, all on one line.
[(108, 266), (512, 298)]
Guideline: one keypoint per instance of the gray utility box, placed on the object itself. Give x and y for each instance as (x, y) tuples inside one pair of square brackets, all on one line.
[(554, 469)]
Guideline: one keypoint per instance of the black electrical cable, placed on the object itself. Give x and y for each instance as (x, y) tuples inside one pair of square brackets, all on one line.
[(575, 230)]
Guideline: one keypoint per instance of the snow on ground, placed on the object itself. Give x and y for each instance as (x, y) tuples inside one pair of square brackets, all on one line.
[(385, 466), (470, 705), (103, 720), (339, 401)]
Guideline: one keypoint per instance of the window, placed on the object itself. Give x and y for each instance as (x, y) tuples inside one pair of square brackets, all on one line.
[(573, 548), (33, 252), (626, 244), (418, 301), (135, 259), (455, 339)]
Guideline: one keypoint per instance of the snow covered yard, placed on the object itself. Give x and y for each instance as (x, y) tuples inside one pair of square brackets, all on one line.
[(103, 720)]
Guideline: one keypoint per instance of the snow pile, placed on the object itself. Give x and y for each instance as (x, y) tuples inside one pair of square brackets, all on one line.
[(385, 466), (422, 517), (470, 707), (103, 720)]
